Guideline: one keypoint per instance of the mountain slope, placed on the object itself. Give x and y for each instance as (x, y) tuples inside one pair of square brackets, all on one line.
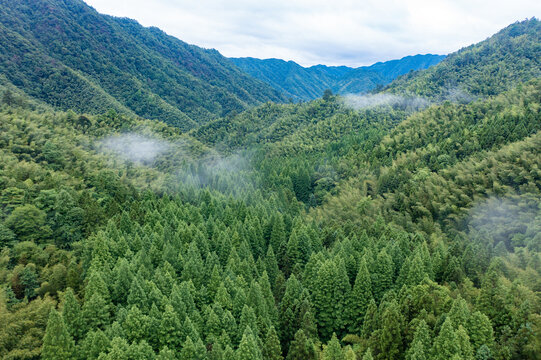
[(302, 83), (70, 56), (511, 56)]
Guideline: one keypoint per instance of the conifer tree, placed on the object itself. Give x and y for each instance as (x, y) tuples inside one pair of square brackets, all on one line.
[(57, 342), (92, 345), (480, 330), (191, 350), (446, 345), (333, 350), (382, 277), (71, 313), (95, 313), (271, 348), (170, 329), (248, 347), (119, 350), (421, 344), (361, 295), (301, 348), (349, 353), (390, 337), (466, 351)]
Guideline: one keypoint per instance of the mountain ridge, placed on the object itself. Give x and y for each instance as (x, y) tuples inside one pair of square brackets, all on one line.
[(115, 63), (308, 83)]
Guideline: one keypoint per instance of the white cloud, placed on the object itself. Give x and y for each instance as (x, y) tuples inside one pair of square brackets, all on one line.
[(339, 32)]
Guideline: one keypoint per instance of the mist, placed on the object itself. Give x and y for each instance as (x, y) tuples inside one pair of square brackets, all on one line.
[(511, 219), (137, 148), (359, 102)]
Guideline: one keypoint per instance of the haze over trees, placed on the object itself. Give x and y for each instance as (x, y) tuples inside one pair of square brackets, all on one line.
[(320, 230)]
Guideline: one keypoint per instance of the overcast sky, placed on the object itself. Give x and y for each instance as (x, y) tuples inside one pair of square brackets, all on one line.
[(331, 32)]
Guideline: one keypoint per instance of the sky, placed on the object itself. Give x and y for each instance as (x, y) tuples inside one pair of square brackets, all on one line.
[(330, 32)]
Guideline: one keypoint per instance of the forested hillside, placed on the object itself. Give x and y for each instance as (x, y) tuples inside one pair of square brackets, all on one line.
[(308, 83), (64, 53), (322, 230), (511, 56)]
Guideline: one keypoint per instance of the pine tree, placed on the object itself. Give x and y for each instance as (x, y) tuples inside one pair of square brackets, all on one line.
[(93, 344), (361, 295), (301, 348), (421, 344), (466, 351), (57, 342), (192, 351), (71, 313), (349, 353), (95, 313), (390, 337), (170, 329), (333, 350), (271, 348), (382, 277), (370, 320), (248, 347), (119, 350), (480, 330), (329, 298), (446, 345)]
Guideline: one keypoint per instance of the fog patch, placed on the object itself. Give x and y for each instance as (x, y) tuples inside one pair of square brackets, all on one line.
[(228, 174), (459, 96), (359, 102), (137, 148), (513, 219)]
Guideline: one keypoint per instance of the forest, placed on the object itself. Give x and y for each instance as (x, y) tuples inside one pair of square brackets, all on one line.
[(401, 224)]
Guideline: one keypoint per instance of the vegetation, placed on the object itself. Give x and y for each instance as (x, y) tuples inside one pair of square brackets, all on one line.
[(309, 231), (69, 56)]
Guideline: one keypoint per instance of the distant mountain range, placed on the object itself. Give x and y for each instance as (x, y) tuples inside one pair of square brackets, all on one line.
[(66, 54), (307, 83)]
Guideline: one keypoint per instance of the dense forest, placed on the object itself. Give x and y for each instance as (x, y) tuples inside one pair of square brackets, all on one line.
[(324, 230), (68, 55)]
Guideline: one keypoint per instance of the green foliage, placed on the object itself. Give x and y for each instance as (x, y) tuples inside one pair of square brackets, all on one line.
[(98, 62), (408, 234), (57, 342)]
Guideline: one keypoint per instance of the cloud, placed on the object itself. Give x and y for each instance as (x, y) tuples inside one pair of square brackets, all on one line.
[(341, 32)]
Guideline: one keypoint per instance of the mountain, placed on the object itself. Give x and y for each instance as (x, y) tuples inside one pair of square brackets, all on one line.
[(68, 55), (307, 83), (328, 229), (511, 56)]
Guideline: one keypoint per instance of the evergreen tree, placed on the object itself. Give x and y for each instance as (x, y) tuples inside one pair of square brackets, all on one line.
[(421, 344), (390, 336), (333, 350), (248, 347), (480, 330), (446, 345), (382, 277), (301, 348), (57, 342), (271, 348), (361, 295), (95, 313), (466, 351), (192, 351), (71, 313)]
